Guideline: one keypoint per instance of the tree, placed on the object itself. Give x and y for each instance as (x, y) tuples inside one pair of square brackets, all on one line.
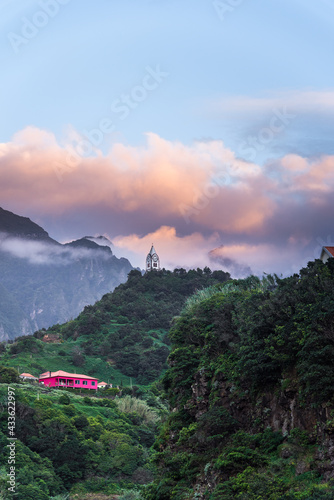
[(8, 375)]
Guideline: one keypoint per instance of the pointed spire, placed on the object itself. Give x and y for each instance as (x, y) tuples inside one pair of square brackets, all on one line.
[(152, 260), (152, 251)]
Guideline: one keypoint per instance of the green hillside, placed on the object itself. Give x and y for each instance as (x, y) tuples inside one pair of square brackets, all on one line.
[(83, 444), (251, 384), (122, 339)]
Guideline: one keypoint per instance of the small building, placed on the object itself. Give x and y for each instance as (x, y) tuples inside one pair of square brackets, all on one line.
[(326, 253), (51, 338), (28, 376), (64, 379), (102, 385), (152, 260)]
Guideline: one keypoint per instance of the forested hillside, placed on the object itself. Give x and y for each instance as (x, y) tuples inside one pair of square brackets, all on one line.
[(83, 444), (251, 388), (122, 336), (130, 326), (79, 443)]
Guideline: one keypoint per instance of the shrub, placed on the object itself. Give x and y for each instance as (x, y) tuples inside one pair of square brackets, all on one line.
[(9, 375), (69, 410), (137, 406), (80, 422), (30, 492), (64, 400), (130, 495)]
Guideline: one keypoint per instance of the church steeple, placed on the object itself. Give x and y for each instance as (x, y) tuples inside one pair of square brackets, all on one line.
[(152, 260)]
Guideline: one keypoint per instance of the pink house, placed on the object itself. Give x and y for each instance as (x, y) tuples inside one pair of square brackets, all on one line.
[(64, 379)]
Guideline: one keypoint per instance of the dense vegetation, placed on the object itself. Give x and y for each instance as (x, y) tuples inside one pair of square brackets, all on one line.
[(86, 444), (130, 326), (83, 444), (122, 336), (251, 384)]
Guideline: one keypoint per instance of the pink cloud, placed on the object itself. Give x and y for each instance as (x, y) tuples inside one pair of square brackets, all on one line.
[(189, 199), (195, 250), (174, 251)]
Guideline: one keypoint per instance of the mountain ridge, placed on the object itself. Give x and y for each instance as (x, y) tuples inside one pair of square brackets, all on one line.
[(19, 226), (47, 282)]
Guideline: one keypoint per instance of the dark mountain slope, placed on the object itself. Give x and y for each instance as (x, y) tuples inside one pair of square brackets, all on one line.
[(49, 282), (22, 227), (12, 317)]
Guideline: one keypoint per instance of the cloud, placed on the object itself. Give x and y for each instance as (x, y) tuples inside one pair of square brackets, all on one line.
[(37, 252), (163, 180), (158, 177), (195, 250), (230, 265), (188, 199), (243, 259), (299, 101), (275, 124), (190, 251)]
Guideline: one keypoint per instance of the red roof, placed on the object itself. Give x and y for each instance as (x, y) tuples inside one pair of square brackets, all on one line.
[(27, 375), (330, 250), (60, 373)]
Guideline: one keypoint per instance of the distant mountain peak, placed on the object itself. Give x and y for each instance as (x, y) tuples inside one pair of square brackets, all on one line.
[(22, 227), (43, 282), (100, 240), (87, 242)]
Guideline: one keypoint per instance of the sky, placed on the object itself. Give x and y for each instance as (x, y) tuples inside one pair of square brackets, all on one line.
[(204, 126)]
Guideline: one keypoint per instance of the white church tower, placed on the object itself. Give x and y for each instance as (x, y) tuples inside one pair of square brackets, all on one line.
[(152, 260)]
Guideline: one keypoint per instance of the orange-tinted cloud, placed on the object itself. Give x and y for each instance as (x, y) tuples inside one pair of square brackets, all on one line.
[(164, 179), (191, 198), (194, 250), (174, 250)]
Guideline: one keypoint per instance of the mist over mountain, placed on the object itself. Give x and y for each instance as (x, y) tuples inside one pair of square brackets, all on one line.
[(43, 282)]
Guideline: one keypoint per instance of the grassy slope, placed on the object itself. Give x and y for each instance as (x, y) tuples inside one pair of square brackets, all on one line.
[(49, 359), (122, 338)]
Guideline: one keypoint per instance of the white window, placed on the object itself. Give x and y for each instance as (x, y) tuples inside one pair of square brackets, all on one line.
[(84, 382)]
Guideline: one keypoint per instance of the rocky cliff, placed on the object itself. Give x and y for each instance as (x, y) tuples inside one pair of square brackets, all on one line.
[(251, 388), (281, 410)]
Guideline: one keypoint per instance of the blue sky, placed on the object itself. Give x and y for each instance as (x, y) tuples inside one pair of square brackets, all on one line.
[(229, 69), (90, 53)]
